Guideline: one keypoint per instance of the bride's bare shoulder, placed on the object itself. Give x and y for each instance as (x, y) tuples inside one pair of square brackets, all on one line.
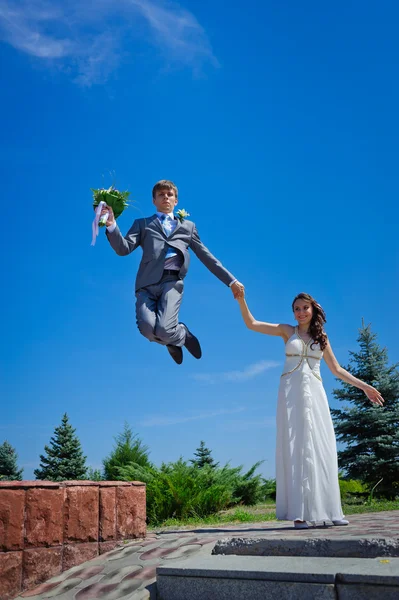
[(287, 331)]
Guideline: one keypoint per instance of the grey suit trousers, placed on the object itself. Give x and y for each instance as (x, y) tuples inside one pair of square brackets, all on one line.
[(157, 311), (159, 295)]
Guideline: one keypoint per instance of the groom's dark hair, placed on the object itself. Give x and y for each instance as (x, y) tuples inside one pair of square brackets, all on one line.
[(164, 184)]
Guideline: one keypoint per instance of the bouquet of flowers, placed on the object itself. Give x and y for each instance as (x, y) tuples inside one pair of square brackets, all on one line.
[(111, 197)]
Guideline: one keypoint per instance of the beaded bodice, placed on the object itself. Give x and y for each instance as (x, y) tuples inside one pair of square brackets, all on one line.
[(302, 355)]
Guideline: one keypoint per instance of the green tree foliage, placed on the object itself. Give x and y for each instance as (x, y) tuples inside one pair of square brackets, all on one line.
[(63, 459), (370, 433), (94, 474), (8, 463), (269, 489), (353, 491), (129, 448), (203, 456), (180, 490)]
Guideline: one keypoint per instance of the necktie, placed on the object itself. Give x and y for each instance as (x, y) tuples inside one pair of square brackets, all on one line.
[(166, 224)]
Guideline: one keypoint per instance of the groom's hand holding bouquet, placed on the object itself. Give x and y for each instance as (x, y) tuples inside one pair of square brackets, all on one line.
[(107, 210), (108, 205)]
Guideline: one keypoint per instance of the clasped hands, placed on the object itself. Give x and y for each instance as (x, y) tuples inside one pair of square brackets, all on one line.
[(238, 290)]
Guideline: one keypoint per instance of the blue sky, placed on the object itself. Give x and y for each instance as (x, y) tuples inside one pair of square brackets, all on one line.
[(277, 120)]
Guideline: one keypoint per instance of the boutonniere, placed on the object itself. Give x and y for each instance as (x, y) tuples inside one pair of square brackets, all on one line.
[(182, 214)]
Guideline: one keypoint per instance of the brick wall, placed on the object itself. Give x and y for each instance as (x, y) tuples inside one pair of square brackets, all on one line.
[(47, 527)]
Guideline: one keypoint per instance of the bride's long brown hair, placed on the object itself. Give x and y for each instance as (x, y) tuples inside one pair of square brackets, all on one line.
[(316, 327)]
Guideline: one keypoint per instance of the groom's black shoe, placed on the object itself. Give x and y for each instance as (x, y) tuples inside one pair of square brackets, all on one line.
[(192, 344), (176, 353)]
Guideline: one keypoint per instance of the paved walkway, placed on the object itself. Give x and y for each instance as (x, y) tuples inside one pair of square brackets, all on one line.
[(128, 572)]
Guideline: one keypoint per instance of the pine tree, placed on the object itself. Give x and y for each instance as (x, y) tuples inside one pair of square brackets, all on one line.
[(94, 474), (129, 449), (64, 458), (371, 433), (203, 457), (8, 463)]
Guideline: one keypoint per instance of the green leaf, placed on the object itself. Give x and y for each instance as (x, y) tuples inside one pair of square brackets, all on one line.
[(112, 197)]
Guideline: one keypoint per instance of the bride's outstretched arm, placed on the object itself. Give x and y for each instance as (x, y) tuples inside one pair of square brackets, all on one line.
[(341, 373), (284, 331)]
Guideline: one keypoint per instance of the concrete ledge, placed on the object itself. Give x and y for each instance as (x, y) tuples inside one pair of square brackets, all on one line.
[(174, 588), (354, 547), (366, 592), (256, 577)]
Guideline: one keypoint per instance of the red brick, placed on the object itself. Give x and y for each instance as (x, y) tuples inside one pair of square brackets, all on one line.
[(40, 564), (12, 506), (23, 485), (80, 483), (44, 517), (81, 514), (130, 512), (107, 514), (10, 574), (76, 554), (104, 547), (105, 484)]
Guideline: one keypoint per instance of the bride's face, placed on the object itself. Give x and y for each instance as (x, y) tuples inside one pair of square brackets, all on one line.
[(303, 312)]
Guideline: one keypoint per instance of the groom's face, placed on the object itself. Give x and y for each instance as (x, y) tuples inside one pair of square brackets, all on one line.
[(165, 200)]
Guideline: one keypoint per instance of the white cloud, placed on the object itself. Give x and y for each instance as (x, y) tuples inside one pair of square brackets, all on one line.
[(88, 39), (176, 419), (233, 376)]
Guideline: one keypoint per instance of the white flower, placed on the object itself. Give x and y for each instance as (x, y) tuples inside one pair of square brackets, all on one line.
[(182, 214)]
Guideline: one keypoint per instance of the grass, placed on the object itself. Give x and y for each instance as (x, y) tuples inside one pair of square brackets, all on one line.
[(264, 512), (369, 507), (238, 516)]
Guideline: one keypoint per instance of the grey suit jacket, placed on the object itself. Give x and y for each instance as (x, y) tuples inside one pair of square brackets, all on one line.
[(149, 234)]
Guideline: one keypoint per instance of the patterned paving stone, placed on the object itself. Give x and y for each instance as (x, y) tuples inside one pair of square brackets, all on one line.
[(141, 595), (110, 555), (202, 542), (117, 575), (39, 590), (61, 577), (63, 587), (209, 541), (132, 549), (98, 562), (156, 553), (142, 544), (86, 573), (184, 552), (151, 540), (176, 542), (126, 552), (111, 591), (146, 573), (96, 590)]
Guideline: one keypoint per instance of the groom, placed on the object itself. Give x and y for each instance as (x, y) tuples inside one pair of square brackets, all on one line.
[(165, 240)]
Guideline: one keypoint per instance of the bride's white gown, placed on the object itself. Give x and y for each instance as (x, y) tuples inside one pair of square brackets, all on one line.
[(306, 451)]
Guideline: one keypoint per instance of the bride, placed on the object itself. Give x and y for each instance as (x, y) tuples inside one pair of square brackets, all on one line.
[(306, 453)]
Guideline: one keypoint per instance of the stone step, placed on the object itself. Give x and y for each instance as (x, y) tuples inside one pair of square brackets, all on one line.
[(285, 578), (345, 547)]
